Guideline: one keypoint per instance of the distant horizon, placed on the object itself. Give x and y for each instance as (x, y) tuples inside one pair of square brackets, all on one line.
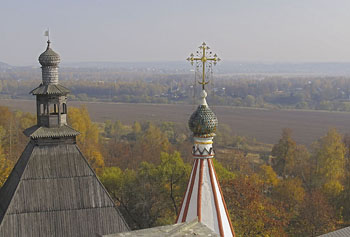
[(224, 68), (34, 64)]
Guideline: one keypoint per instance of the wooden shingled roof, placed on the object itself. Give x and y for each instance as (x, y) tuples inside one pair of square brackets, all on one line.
[(52, 191), (51, 89), (345, 232), (44, 132)]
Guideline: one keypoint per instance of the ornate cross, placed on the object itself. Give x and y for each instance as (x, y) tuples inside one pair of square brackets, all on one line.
[(204, 56)]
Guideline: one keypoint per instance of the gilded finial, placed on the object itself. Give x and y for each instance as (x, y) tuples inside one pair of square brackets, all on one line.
[(203, 57)]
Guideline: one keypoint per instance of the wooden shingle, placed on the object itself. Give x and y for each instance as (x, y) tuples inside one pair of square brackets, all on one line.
[(52, 191)]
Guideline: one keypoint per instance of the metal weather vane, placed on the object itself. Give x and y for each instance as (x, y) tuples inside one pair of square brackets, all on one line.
[(204, 58), (47, 33)]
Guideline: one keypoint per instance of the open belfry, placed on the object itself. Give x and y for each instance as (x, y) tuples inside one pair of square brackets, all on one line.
[(52, 190), (203, 198)]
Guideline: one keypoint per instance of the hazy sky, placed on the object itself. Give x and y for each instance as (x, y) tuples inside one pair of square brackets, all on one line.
[(169, 30)]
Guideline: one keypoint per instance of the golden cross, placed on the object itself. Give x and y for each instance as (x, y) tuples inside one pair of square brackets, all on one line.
[(204, 56)]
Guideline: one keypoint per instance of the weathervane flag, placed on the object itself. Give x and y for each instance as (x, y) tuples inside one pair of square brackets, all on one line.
[(47, 33)]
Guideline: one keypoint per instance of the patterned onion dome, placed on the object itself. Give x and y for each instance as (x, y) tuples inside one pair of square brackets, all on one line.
[(49, 57), (203, 121)]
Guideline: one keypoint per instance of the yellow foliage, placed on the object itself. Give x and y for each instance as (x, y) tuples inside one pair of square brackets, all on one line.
[(5, 167), (88, 140), (330, 154), (136, 127), (79, 119), (333, 187), (95, 158), (154, 138), (268, 175), (291, 192)]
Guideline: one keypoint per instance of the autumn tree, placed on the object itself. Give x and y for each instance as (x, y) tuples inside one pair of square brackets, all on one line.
[(316, 216), (5, 166), (115, 130), (284, 153), (343, 203), (292, 160), (12, 139), (329, 157), (252, 213), (149, 144), (291, 194), (13, 124), (88, 140), (268, 177)]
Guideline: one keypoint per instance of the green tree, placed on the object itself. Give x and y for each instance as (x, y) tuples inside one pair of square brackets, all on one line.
[(285, 154), (174, 174), (151, 194)]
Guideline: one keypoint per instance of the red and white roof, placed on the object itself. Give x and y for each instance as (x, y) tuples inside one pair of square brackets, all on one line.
[(204, 200)]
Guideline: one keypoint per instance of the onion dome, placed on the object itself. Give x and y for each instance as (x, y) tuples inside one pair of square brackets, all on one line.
[(203, 121), (49, 57)]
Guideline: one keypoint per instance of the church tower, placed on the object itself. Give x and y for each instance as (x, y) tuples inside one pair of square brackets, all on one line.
[(203, 198), (52, 190)]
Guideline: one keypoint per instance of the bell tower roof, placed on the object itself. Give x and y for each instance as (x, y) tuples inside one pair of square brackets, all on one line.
[(51, 102), (49, 57)]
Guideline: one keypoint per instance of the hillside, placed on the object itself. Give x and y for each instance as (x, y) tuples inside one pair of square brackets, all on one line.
[(5, 66)]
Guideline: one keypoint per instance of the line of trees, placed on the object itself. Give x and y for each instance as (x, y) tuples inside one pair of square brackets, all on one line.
[(263, 91)]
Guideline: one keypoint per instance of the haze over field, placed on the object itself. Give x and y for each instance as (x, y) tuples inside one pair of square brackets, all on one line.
[(156, 30), (263, 125)]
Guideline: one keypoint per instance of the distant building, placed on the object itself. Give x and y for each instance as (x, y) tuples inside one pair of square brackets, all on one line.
[(52, 190)]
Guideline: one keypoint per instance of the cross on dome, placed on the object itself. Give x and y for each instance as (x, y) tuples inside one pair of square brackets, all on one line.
[(205, 59)]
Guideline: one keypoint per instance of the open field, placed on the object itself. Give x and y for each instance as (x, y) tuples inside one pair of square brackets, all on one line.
[(264, 125)]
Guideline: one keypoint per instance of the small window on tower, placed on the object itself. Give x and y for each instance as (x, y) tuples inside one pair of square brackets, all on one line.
[(64, 108), (55, 108), (41, 110)]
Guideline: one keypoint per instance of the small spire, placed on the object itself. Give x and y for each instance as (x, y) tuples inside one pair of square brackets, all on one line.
[(48, 44), (203, 96)]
